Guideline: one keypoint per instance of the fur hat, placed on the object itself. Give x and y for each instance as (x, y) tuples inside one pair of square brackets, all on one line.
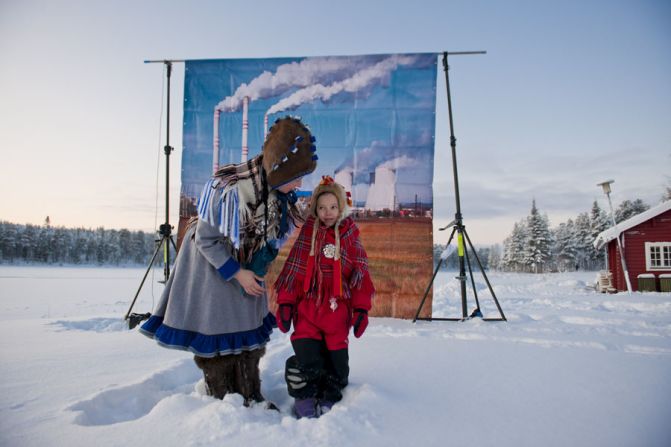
[(288, 152), (328, 185)]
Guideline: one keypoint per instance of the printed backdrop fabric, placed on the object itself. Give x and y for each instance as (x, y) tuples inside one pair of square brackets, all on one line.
[(374, 120)]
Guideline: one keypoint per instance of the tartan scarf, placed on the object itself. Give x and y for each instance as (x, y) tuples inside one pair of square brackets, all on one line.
[(317, 277), (241, 213)]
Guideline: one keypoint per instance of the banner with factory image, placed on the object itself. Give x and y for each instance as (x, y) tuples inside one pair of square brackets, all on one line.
[(374, 120)]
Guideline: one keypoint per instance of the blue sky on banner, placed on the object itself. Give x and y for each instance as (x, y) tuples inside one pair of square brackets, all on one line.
[(569, 94), (364, 110)]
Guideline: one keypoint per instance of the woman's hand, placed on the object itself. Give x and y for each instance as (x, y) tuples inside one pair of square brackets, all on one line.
[(248, 281)]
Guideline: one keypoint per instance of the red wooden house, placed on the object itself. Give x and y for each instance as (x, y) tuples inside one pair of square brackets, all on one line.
[(646, 242)]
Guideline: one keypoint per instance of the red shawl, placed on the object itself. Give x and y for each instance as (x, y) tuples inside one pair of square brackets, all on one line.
[(321, 277)]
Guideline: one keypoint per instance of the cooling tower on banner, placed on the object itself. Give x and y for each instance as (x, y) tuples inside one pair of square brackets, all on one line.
[(382, 191), (344, 177)]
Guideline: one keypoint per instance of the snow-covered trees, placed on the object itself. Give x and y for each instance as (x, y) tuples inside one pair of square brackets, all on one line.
[(46, 244), (529, 247), (628, 209), (565, 249), (514, 248), (539, 240), (485, 255), (583, 237), (532, 247), (598, 221), (494, 260)]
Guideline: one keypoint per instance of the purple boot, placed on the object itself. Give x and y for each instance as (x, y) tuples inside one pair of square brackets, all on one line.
[(325, 406), (306, 408)]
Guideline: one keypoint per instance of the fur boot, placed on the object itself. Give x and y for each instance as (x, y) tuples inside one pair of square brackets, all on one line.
[(237, 373), (250, 386), (219, 373)]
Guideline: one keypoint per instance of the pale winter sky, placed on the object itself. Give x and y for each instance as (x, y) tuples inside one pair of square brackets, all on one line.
[(569, 94)]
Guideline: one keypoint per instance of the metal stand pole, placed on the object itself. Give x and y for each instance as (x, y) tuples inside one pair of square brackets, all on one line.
[(165, 230), (619, 246), (459, 227)]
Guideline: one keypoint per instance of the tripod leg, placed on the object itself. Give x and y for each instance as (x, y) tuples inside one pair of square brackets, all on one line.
[(491, 290), (470, 272), (419, 309), (153, 258)]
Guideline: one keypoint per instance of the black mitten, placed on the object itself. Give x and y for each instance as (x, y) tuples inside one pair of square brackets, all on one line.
[(360, 322)]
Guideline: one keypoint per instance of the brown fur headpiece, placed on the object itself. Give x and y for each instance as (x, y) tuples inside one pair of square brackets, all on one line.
[(289, 152)]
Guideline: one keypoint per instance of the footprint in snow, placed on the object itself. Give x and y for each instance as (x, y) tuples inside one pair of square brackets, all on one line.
[(130, 402), (92, 324)]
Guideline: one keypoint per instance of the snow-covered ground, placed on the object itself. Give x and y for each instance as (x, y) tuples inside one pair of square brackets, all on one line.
[(570, 368)]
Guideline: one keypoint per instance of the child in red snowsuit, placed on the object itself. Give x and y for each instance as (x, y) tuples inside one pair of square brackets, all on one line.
[(324, 289)]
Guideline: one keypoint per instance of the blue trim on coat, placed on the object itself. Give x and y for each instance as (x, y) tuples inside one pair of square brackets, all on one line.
[(229, 269), (208, 345)]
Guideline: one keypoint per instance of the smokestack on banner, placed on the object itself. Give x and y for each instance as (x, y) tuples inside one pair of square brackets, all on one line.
[(245, 128), (215, 139), (265, 127)]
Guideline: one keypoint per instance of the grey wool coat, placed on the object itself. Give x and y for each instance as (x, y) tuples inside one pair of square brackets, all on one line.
[(203, 309)]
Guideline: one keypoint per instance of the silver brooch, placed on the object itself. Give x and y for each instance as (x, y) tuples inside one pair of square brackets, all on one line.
[(329, 251), (334, 304)]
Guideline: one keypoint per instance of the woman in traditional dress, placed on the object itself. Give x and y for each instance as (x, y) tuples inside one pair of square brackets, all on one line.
[(215, 303)]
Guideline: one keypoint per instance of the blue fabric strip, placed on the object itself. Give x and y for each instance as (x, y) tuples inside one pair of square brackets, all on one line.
[(229, 269), (204, 201), (208, 345)]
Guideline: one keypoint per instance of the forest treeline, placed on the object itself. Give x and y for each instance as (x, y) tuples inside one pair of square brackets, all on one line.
[(535, 247), (58, 245), (531, 247)]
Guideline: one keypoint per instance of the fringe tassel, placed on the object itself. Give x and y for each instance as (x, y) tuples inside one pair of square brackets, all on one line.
[(311, 259), (315, 228), (222, 213), (356, 279), (309, 273), (228, 217), (285, 282), (204, 200)]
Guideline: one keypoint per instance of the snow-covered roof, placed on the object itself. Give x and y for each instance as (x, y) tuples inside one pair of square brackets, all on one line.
[(608, 235)]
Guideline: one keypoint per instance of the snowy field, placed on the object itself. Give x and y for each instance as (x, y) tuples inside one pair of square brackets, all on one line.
[(570, 368)]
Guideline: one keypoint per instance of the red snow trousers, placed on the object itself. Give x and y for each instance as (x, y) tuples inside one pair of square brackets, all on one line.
[(323, 323)]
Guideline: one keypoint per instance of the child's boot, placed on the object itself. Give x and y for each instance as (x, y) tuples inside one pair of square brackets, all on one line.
[(325, 406), (306, 408)]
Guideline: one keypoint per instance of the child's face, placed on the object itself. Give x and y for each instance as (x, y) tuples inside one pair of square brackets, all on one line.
[(327, 209)]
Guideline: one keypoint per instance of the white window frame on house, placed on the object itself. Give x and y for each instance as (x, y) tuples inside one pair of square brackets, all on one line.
[(658, 255)]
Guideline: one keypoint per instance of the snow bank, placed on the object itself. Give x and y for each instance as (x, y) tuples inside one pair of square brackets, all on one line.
[(570, 367)]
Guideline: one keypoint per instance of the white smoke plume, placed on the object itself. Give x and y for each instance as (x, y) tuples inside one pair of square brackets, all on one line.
[(364, 160), (378, 154), (309, 71), (399, 162), (345, 169), (378, 72)]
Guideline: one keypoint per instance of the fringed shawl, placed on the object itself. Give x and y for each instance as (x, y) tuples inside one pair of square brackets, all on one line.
[(234, 200), (318, 282)]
